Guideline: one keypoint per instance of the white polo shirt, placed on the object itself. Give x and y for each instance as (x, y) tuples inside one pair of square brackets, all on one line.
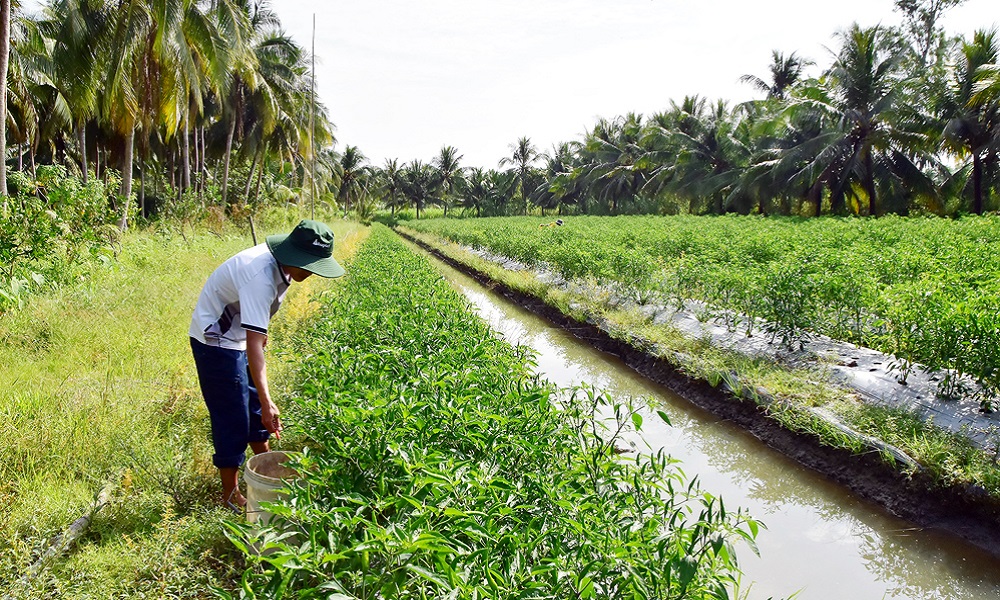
[(241, 295)]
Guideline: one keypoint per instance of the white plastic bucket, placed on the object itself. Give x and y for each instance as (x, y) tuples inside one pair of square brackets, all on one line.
[(265, 474)]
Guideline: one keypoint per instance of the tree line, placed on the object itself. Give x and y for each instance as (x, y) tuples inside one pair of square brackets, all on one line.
[(181, 95), (206, 102), (904, 120)]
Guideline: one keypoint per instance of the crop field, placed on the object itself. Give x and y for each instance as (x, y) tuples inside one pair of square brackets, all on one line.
[(925, 290), (436, 463)]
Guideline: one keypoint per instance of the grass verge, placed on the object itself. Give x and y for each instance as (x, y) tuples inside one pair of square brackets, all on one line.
[(98, 387)]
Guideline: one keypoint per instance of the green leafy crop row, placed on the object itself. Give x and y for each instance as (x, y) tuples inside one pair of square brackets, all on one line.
[(924, 289), (438, 466)]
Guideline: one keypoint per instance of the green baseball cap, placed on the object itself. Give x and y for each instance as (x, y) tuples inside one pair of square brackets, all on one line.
[(309, 246)]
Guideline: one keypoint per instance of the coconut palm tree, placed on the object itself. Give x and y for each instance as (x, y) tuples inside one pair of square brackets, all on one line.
[(695, 152), (4, 61), (868, 142), (352, 169), (128, 87), (419, 184), (72, 26), (755, 130), (28, 82), (243, 21), (449, 174), (564, 173), (523, 155), (276, 115), (391, 184), (559, 163), (784, 73), (475, 190), (972, 122), (613, 164)]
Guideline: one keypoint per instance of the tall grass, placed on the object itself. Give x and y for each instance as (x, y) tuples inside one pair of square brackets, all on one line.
[(98, 387)]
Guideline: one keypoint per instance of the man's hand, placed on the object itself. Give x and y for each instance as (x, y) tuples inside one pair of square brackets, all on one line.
[(269, 417)]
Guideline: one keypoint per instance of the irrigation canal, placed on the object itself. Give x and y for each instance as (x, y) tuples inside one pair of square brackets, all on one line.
[(820, 541)]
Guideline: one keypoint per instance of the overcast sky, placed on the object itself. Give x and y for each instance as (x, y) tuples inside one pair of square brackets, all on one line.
[(402, 78)]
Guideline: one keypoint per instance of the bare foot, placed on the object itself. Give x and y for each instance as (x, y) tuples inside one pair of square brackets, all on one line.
[(236, 503)]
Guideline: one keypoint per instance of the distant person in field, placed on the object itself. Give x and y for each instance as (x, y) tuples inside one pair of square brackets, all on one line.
[(228, 334)]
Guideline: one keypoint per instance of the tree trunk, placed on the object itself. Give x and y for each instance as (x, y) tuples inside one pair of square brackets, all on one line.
[(171, 161), (4, 56), (142, 188), (253, 164), (260, 174), (126, 191), (64, 540), (977, 184), (816, 195), (202, 170), (229, 151), (524, 198), (194, 164), (870, 184), (186, 160), (215, 171), (82, 134)]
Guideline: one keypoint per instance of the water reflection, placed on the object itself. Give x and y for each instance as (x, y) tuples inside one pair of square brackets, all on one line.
[(820, 540)]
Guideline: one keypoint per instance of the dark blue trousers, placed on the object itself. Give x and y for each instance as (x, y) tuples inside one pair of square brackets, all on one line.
[(231, 398)]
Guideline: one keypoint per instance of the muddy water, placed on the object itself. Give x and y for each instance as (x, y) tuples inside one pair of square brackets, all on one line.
[(820, 541)]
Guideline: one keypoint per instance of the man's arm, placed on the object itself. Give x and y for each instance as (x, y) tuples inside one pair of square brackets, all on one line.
[(258, 371)]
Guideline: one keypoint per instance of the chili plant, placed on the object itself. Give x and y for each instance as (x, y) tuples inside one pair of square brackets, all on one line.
[(849, 279)]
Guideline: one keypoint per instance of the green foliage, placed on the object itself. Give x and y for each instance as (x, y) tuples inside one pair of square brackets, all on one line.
[(923, 289), (440, 467), (48, 228)]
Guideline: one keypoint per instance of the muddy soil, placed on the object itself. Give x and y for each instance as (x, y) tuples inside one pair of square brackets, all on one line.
[(967, 512)]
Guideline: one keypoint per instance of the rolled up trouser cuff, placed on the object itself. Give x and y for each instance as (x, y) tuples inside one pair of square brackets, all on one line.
[(232, 461)]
